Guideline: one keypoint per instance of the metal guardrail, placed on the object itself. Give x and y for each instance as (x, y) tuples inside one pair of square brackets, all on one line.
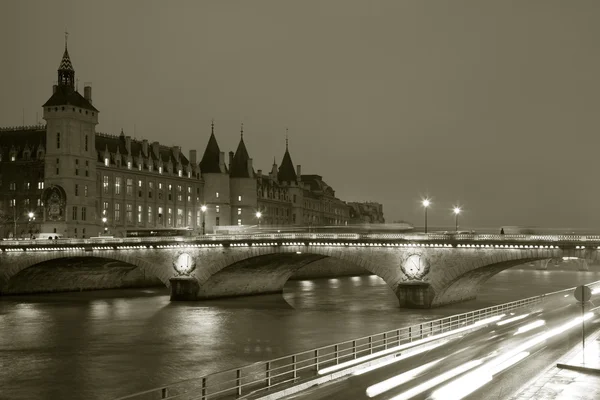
[(236, 382), (311, 236)]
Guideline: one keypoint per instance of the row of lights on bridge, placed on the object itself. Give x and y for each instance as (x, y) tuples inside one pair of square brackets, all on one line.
[(337, 244)]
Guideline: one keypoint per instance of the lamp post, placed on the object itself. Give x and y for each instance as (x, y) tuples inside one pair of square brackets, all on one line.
[(426, 203), (203, 209), (104, 219), (31, 216), (258, 215), (457, 211)]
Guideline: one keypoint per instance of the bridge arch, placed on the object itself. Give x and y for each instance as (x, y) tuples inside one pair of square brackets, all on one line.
[(74, 270), (265, 270), (467, 279)]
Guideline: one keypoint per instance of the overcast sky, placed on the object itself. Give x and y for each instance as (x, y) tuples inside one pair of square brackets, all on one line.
[(490, 104)]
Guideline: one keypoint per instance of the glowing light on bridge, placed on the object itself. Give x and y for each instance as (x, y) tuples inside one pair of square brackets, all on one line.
[(517, 318)]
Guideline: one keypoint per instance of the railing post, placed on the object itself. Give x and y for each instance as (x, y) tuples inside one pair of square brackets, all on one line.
[(335, 352), (164, 393), (317, 359), (354, 348), (385, 341), (203, 388), (370, 344), (238, 381), (268, 381), (294, 366)]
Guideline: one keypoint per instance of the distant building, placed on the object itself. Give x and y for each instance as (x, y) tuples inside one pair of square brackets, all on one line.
[(366, 213), (78, 182)]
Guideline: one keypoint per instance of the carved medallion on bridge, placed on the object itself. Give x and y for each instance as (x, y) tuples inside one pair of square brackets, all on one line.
[(184, 264), (415, 267)]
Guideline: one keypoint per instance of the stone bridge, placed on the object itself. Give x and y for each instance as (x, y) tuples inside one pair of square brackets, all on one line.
[(423, 270)]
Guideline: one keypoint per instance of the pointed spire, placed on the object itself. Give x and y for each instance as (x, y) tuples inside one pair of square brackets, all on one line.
[(239, 166), (242, 131), (287, 172), (274, 163), (66, 73), (210, 162), (212, 126)]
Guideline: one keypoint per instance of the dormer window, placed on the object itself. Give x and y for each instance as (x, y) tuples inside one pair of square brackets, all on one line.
[(189, 174), (139, 166), (160, 169), (128, 164), (149, 167), (180, 173), (106, 161)]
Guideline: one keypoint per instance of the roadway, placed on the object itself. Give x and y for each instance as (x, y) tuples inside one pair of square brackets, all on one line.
[(495, 357)]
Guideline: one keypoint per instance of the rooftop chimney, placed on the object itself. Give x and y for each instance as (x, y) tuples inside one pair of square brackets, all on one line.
[(145, 147), (54, 87), (222, 161), (176, 150), (230, 159), (250, 169), (87, 93), (155, 148), (298, 171), (193, 157), (128, 144), (259, 173)]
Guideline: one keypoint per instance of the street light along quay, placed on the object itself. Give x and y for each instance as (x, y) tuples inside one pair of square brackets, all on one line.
[(426, 203), (258, 215), (203, 209), (457, 211)]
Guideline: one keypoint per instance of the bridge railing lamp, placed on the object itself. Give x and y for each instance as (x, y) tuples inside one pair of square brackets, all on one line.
[(203, 209), (426, 203), (456, 211)]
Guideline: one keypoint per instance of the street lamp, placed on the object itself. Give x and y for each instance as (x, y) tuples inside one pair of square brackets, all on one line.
[(203, 209), (258, 215), (31, 216), (457, 211), (426, 203), (104, 219)]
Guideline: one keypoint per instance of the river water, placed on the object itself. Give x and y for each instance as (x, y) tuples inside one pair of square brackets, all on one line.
[(105, 344)]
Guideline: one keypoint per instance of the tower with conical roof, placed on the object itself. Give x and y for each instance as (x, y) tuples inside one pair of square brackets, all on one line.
[(242, 183), (216, 184), (287, 177), (70, 169)]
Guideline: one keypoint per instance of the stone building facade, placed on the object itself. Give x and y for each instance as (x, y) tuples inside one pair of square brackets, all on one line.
[(366, 213), (65, 177)]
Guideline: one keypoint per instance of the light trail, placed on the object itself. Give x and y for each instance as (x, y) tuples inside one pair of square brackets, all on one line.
[(388, 384), (401, 358), (474, 380), (436, 381), (513, 319), (530, 326), (428, 339)]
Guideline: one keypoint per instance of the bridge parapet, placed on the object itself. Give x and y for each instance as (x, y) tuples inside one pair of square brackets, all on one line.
[(353, 238)]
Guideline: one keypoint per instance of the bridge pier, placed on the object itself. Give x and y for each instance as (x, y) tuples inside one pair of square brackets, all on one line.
[(543, 265), (583, 265), (184, 289), (415, 295)]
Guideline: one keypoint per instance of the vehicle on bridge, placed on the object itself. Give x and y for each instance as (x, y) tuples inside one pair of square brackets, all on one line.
[(47, 236), (358, 228), (159, 232)]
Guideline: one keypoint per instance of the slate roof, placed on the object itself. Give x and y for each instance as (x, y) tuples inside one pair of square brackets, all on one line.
[(239, 165), (316, 184), (66, 96), (210, 159), (114, 143), (31, 137), (287, 172), (65, 63)]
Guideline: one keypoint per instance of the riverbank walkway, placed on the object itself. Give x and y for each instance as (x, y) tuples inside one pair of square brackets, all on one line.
[(571, 378)]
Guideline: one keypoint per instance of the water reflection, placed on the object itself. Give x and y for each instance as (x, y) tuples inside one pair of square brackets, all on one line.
[(100, 345)]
